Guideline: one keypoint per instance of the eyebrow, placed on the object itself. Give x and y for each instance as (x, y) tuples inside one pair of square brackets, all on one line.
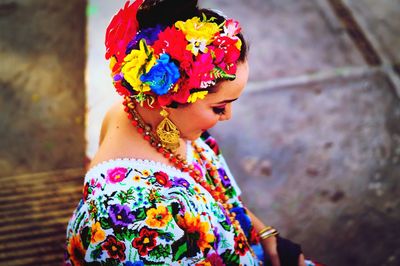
[(228, 101)]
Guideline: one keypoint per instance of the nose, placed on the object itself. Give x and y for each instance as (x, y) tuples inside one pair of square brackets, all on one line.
[(228, 113)]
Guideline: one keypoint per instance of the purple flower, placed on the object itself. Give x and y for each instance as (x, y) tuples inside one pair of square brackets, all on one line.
[(181, 182), (226, 182), (118, 77), (150, 35), (121, 215)]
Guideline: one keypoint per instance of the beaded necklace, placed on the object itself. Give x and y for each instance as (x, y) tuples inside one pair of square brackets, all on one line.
[(217, 191)]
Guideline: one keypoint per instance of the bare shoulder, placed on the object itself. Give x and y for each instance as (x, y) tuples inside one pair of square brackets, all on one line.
[(119, 139), (113, 128)]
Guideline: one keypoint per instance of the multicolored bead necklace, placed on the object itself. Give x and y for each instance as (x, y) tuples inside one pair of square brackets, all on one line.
[(217, 191)]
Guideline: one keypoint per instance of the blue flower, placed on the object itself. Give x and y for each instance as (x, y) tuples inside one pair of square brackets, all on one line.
[(243, 218), (162, 76), (136, 263)]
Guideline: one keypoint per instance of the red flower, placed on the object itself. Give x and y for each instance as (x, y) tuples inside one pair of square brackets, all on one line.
[(146, 241), (122, 29), (114, 248), (254, 238), (177, 49), (85, 191), (121, 89), (241, 246), (226, 53), (162, 178)]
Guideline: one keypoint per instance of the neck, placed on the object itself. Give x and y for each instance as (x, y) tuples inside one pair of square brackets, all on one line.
[(152, 117)]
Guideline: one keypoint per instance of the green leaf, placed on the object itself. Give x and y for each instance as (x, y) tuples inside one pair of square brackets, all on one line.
[(112, 262), (226, 226), (96, 253), (104, 223), (218, 73), (161, 251), (141, 214), (230, 258), (180, 252), (86, 235)]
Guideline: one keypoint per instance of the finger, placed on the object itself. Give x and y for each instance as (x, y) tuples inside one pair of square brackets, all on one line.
[(302, 260)]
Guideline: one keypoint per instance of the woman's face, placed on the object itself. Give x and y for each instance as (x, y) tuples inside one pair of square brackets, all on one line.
[(192, 120)]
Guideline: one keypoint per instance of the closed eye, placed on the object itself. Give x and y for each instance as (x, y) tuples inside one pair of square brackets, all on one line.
[(219, 110)]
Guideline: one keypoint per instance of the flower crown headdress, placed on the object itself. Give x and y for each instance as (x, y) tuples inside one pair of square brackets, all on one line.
[(160, 65)]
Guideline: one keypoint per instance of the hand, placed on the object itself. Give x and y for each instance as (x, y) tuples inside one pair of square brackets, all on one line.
[(302, 260)]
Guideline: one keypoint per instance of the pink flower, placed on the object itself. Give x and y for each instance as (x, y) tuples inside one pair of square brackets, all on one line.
[(200, 73), (232, 28), (116, 175)]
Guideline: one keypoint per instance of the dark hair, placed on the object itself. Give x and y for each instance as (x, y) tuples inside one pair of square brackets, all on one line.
[(167, 12)]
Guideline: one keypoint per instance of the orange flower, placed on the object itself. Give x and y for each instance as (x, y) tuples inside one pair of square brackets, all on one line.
[(98, 233), (193, 225), (158, 217), (76, 250)]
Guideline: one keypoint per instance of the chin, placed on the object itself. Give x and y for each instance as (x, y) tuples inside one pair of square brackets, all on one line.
[(192, 137)]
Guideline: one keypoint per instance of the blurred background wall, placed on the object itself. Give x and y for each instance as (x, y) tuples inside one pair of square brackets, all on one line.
[(42, 114), (314, 141)]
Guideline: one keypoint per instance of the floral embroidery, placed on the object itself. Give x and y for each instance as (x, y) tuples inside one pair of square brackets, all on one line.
[(114, 248), (197, 229), (146, 241), (162, 179), (76, 251), (116, 175), (139, 213), (158, 217), (98, 233), (121, 215)]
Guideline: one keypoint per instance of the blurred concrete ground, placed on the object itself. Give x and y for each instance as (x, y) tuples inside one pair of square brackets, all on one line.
[(314, 141)]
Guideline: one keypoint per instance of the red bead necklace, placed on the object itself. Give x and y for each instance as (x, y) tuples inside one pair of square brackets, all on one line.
[(217, 191)]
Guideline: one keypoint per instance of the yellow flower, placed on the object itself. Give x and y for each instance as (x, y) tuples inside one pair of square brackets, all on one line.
[(135, 62), (193, 225), (197, 95), (146, 173), (113, 61), (136, 178), (198, 33), (196, 29), (98, 233), (158, 217), (197, 189)]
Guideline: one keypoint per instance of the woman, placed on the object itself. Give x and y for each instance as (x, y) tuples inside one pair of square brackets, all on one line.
[(158, 191)]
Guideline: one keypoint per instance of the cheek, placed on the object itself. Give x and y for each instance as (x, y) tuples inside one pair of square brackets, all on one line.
[(208, 120)]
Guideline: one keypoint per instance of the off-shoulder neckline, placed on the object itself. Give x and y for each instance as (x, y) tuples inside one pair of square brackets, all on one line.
[(147, 162)]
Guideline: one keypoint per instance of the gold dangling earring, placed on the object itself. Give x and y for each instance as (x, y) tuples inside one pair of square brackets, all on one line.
[(168, 133)]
